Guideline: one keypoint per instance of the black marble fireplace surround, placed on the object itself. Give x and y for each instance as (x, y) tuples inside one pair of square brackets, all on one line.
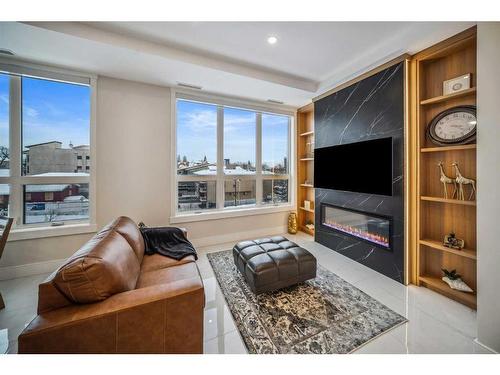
[(369, 109)]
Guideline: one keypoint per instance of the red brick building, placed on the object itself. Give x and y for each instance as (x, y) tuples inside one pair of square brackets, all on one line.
[(50, 193)]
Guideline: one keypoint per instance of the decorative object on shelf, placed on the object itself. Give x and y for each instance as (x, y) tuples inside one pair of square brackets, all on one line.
[(292, 223), (454, 281), (307, 205), (457, 84), (310, 149), (454, 126), (461, 181), (310, 225), (451, 241), (308, 182), (447, 180)]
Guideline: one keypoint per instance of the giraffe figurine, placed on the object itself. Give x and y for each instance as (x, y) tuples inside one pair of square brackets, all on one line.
[(447, 180), (461, 181)]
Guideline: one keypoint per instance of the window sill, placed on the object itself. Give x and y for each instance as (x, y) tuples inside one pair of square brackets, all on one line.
[(229, 213), (44, 232)]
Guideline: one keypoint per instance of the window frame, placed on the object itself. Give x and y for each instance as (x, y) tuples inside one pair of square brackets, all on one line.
[(21, 231), (220, 211)]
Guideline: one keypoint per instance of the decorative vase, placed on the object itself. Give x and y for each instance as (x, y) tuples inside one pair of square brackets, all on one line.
[(292, 223)]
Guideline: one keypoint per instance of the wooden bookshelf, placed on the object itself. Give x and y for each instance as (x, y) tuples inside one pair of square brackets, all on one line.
[(440, 247), (450, 201), (307, 209), (305, 166), (449, 148), (443, 98), (311, 132), (436, 216), (438, 285)]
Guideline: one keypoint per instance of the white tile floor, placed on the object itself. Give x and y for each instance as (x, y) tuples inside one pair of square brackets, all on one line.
[(436, 323)]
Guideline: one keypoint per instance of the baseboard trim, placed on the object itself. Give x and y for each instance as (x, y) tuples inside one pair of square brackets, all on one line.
[(23, 270), (485, 346), (238, 236)]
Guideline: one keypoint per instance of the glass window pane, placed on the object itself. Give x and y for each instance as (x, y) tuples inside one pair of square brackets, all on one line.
[(275, 132), (4, 199), (239, 141), (274, 191), (238, 192), (56, 127), (196, 195), (196, 138), (55, 202), (4, 125)]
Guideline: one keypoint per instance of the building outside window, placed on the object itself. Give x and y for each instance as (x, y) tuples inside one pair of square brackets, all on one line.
[(229, 157), (45, 124)]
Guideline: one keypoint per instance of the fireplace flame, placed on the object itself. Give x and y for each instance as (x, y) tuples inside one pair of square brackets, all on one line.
[(376, 238)]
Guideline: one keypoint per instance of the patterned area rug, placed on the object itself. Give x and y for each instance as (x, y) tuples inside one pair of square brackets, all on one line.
[(325, 315)]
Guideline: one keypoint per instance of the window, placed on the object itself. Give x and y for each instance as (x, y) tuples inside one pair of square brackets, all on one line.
[(239, 141), (4, 143), (275, 191), (275, 135), (229, 157), (45, 124), (196, 138), (196, 195), (55, 203)]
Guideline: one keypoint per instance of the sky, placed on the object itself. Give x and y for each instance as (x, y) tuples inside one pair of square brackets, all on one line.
[(52, 111), (197, 134), (4, 110)]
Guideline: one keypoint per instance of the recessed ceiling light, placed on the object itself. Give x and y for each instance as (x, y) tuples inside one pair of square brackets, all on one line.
[(272, 40)]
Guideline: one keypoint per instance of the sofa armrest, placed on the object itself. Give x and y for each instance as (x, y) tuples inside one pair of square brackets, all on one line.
[(166, 318)]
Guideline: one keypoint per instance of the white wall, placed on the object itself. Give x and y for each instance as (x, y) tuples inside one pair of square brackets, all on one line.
[(133, 177), (133, 157), (488, 176)]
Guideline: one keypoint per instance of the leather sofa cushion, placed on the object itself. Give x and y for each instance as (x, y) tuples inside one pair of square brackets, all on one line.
[(168, 275), (129, 230), (104, 266), (156, 261)]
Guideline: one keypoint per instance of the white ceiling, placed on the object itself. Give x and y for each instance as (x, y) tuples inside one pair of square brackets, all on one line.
[(231, 58)]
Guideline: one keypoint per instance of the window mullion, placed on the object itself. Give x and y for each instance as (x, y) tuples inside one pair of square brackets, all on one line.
[(220, 158), (258, 159), (16, 193)]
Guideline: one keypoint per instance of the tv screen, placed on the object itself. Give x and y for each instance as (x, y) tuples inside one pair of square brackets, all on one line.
[(362, 167)]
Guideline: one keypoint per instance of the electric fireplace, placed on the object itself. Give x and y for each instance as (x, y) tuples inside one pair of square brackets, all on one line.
[(372, 228)]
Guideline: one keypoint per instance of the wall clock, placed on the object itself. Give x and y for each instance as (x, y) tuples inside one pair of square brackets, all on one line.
[(454, 126)]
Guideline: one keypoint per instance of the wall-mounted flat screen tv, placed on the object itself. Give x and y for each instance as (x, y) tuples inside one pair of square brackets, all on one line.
[(362, 167)]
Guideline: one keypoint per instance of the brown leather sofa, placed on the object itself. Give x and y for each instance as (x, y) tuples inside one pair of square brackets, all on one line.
[(109, 297)]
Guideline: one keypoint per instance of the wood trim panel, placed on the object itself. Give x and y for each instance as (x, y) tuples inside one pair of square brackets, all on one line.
[(433, 216)]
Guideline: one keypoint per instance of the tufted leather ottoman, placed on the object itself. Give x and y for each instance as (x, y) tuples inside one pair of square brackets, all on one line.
[(269, 264)]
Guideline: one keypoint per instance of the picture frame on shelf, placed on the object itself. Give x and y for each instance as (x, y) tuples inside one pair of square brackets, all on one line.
[(307, 205), (457, 84)]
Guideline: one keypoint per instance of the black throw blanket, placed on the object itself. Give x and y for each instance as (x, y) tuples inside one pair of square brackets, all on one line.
[(167, 241)]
